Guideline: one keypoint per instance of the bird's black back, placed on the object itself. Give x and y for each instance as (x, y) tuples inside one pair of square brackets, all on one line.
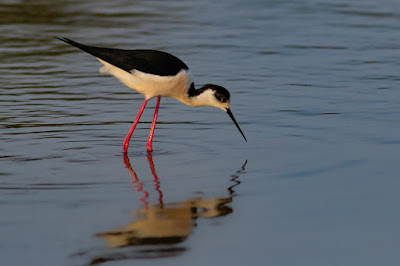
[(147, 61)]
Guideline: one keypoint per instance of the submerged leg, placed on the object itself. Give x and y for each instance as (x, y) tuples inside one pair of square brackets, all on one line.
[(153, 127), (125, 145)]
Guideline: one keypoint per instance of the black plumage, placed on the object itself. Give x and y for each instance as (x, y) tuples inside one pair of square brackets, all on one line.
[(145, 60)]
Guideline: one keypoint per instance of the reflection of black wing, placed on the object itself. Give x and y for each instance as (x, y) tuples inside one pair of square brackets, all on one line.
[(147, 61)]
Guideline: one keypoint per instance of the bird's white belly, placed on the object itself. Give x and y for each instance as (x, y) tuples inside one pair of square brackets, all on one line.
[(151, 85)]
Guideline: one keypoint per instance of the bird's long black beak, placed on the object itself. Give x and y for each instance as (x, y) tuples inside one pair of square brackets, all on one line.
[(234, 121)]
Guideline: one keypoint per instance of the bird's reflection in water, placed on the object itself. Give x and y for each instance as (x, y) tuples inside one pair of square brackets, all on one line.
[(160, 227)]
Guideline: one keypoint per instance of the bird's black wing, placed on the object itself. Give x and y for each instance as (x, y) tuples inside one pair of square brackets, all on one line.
[(147, 61)]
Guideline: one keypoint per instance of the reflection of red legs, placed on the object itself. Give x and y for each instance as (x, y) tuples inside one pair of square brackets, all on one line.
[(156, 180), (135, 180), (129, 167), (125, 145), (153, 127)]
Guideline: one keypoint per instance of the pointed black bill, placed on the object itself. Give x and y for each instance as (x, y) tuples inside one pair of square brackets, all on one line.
[(234, 121)]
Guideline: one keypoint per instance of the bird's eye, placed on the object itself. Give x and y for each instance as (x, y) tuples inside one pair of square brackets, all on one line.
[(221, 98)]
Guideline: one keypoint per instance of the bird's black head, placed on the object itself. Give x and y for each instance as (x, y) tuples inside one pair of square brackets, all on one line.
[(220, 93), (219, 97)]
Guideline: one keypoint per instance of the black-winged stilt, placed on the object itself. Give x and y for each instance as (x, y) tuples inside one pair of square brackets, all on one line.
[(156, 74)]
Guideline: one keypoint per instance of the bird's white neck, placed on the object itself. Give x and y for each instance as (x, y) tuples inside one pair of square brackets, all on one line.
[(205, 98)]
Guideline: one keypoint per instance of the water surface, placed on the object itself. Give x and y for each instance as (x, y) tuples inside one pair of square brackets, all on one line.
[(314, 86)]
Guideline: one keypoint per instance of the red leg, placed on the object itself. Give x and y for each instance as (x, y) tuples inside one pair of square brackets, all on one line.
[(125, 145), (153, 127)]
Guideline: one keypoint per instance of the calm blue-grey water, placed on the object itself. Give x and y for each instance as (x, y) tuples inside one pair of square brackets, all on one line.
[(314, 86)]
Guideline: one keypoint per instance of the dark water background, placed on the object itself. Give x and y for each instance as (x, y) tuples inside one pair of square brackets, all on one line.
[(314, 85)]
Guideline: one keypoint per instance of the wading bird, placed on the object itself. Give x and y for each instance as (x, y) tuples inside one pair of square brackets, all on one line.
[(156, 74)]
